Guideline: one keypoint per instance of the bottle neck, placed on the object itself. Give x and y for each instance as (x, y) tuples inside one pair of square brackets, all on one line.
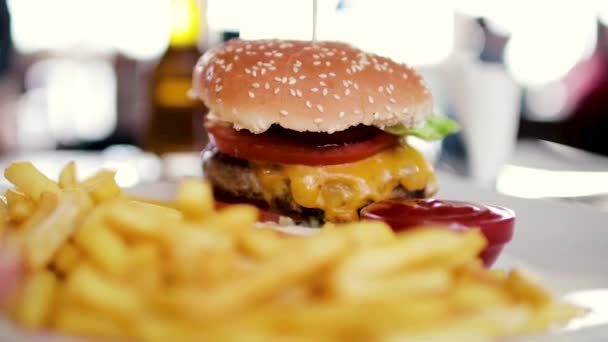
[(185, 24)]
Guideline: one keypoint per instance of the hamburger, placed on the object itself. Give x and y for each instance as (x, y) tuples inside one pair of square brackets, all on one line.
[(314, 131)]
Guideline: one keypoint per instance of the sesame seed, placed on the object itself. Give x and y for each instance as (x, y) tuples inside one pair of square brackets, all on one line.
[(318, 120), (320, 108), (315, 63), (263, 71), (229, 67), (389, 91), (404, 76), (325, 91), (218, 80), (272, 68), (292, 80), (376, 115), (323, 75), (341, 115), (277, 90), (218, 88), (357, 111), (254, 73), (314, 90), (278, 79), (302, 77), (219, 100), (370, 99), (247, 71), (298, 93), (278, 54), (332, 74), (344, 59), (266, 85), (380, 89), (284, 80), (255, 85), (336, 96), (239, 50), (348, 71), (327, 63), (392, 100), (283, 112), (315, 56), (295, 69), (323, 84), (298, 62), (388, 108), (292, 92), (346, 92), (345, 83), (248, 46), (251, 94), (391, 86), (308, 104), (356, 85)]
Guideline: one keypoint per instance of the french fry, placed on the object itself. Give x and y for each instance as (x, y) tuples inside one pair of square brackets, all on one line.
[(68, 178), (100, 293), (30, 180), (145, 266), (412, 284), (104, 189), (369, 233), (260, 244), (143, 220), (105, 248), (3, 215), (234, 218), (46, 205), (46, 237), (33, 311), (473, 296), (523, 288), (75, 320), (412, 249), (66, 258), (306, 257), (19, 206), (91, 181), (195, 198)]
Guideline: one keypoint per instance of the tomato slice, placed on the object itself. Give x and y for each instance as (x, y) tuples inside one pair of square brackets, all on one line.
[(278, 145), (495, 223)]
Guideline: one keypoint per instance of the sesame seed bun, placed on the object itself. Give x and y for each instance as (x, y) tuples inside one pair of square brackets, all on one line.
[(307, 86)]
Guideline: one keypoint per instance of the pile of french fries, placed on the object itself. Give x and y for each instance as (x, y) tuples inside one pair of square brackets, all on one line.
[(101, 263)]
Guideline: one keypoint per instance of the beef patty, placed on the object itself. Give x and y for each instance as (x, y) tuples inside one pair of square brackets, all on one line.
[(234, 180)]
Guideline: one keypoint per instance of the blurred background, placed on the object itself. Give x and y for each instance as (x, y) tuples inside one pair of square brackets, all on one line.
[(106, 81)]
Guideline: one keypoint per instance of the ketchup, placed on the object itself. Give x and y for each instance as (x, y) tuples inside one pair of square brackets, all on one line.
[(495, 223)]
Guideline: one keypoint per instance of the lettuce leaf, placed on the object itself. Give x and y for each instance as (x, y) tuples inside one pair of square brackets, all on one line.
[(435, 128)]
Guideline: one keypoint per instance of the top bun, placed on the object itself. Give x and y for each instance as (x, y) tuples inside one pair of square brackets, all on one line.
[(308, 86)]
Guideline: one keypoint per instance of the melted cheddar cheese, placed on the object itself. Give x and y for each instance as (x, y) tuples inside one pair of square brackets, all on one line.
[(341, 190)]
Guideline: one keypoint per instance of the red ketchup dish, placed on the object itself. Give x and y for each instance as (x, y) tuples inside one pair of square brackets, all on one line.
[(496, 223)]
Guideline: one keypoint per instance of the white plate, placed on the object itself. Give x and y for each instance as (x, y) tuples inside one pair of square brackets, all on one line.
[(565, 244)]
